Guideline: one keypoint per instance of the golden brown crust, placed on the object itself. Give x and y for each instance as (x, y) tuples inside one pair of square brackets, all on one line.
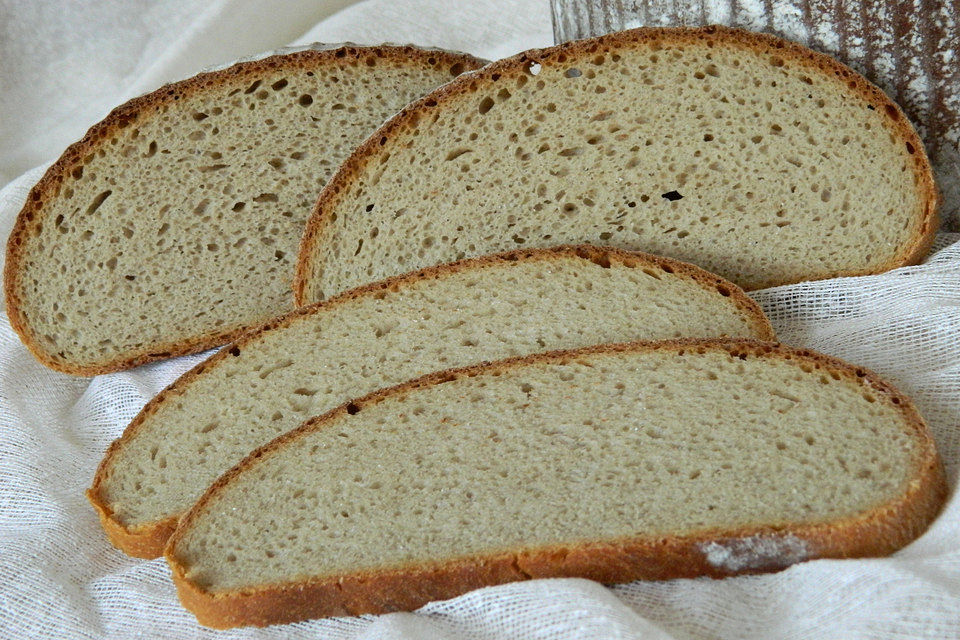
[(138, 110), (147, 540), (380, 141), (878, 531)]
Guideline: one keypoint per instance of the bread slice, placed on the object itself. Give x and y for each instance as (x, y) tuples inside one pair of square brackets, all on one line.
[(614, 463), (310, 361), (174, 223), (752, 157)]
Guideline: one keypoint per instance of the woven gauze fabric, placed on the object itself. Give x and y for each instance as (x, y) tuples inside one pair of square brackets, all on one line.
[(59, 577)]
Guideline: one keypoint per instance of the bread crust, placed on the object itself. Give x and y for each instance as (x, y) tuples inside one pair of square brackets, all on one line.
[(912, 252), (878, 531), (148, 540), (137, 110)]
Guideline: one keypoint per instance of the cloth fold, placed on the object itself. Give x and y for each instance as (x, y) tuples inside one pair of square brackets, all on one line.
[(60, 578)]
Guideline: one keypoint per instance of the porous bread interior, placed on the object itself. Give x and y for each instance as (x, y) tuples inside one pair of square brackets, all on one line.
[(737, 157), (491, 310), (186, 222), (599, 448)]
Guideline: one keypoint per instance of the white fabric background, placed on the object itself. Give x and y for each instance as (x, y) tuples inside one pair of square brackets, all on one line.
[(64, 65)]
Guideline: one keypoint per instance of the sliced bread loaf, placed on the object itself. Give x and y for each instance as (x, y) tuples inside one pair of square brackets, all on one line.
[(753, 157), (614, 463), (314, 359), (174, 223)]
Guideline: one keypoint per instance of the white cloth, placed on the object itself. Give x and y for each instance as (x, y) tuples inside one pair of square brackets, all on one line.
[(59, 577)]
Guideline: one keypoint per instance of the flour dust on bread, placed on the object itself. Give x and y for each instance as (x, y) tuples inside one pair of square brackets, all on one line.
[(174, 223), (313, 360), (752, 157), (614, 463)]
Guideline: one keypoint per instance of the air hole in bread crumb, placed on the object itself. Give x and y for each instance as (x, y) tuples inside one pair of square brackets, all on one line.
[(456, 69), (305, 100), (279, 84), (456, 153), (672, 196), (99, 200), (485, 105), (266, 197), (573, 73)]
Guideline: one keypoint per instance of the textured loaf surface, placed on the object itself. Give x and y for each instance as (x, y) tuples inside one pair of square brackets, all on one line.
[(752, 157), (314, 360), (666, 459), (175, 222)]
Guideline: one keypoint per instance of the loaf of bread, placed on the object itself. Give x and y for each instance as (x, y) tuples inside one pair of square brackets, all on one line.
[(309, 362), (174, 223), (752, 157), (614, 463)]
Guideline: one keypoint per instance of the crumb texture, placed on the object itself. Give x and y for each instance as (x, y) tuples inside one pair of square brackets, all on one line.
[(603, 446), (182, 219), (741, 158), (491, 309)]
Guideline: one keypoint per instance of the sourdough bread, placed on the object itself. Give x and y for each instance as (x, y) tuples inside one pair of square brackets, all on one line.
[(309, 362), (753, 157), (614, 463), (174, 223)]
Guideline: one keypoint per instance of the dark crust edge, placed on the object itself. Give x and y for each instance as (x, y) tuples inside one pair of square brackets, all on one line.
[(147, 540), (928, 198), (138, 110), (876, 532)]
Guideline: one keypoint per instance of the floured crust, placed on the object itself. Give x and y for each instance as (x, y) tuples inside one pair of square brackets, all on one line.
[(148, 540), (912, 252), (879, 531), (137, 110)]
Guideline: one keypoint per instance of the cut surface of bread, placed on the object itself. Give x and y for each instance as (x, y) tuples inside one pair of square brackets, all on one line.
[(752, 157), (614, 463), (174, 223), (312, 360)]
